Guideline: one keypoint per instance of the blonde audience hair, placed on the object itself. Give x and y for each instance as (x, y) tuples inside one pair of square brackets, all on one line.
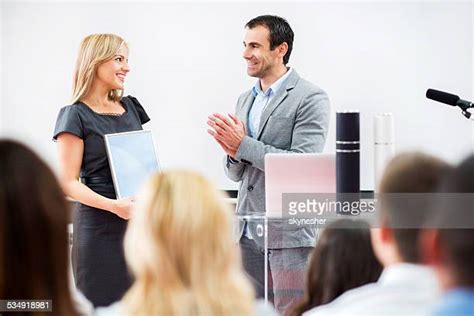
[(95, 49), (180, 248)]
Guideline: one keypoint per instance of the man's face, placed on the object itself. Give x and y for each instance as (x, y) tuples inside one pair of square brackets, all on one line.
[(260, 59)]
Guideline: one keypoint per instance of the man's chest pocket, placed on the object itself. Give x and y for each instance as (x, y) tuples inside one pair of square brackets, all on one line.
[(278, 132)]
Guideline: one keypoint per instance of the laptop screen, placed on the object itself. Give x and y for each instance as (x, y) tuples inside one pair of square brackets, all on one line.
[(297, 173)]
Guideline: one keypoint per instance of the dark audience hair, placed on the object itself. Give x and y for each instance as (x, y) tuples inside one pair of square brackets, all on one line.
[(280, 32), (343, 259), (457, 241), (33, 231), (410, 172)]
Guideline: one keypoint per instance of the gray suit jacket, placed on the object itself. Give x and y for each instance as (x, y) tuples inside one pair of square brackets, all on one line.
[(296, 120)]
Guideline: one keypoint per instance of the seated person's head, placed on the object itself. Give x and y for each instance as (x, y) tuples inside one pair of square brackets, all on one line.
[(180, 248), (406, 173), (448, 244), (343, 259), (33, 230)]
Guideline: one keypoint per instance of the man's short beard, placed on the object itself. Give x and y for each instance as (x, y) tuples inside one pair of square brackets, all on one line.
[(261, 73)]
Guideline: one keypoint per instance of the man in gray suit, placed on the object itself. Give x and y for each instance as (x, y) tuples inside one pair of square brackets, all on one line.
[(282, 113)]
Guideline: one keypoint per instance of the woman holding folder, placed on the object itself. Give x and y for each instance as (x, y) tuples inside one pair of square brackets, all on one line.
[(100, 220)]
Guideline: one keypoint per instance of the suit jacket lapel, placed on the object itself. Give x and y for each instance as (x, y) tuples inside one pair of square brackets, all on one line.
[(245, 110), (277, 100)]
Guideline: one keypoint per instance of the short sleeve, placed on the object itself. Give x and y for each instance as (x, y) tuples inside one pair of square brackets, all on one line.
[(68, 121), (144, 118)]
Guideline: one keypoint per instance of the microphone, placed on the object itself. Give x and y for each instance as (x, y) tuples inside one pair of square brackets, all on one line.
[(450, 99)]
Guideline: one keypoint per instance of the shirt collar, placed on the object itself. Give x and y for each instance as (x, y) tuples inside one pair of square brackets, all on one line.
[(273, 88), (407, 272)]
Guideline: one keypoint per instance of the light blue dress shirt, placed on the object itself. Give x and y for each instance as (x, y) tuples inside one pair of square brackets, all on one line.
[(459, 302), (261, 101)]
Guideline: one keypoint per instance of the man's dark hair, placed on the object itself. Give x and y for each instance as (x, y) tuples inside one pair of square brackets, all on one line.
[(457, 243), (409, 173), (280, 32)]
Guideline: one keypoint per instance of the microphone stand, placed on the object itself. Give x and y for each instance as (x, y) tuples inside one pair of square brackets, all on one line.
[(467, 113)]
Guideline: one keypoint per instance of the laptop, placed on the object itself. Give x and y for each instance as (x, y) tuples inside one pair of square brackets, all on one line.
[(297, 173), (132, 158)]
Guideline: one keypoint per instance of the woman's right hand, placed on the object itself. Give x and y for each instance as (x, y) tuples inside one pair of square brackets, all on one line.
[(123, 207)]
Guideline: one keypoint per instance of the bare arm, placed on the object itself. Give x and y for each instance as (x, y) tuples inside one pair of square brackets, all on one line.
[(70, 150)]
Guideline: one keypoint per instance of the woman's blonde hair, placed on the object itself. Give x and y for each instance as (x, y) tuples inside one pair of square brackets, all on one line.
[(95, 49), (180, 248)]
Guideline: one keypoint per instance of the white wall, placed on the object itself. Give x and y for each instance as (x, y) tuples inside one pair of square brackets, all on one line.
[(186, 63)]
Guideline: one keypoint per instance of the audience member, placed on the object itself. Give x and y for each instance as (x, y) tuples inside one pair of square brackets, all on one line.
[(405, 286), (333, 267), (449, 246), (181, 251), (34, 250)]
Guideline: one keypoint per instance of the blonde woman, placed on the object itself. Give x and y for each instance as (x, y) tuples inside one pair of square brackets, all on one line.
[(180, 248), (100, 220)]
